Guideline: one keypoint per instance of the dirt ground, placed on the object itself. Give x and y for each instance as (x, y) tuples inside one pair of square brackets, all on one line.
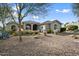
[(40, 45)]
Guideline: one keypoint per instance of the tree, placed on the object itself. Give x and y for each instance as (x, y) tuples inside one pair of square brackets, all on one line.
[(5, 14), (66, 24), (24, 9), (72, 27), (75, 10)]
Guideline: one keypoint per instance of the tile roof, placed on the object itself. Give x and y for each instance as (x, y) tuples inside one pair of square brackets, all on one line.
[(47, 22), (31, 22)]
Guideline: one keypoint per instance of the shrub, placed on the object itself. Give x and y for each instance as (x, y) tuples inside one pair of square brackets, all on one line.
[(10, 32), (49, 31), (29, 32), (15, 34), (35, 32), (72, 27), (26, 32), (63, 29)]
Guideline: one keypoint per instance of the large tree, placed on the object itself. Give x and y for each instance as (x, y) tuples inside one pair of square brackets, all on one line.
[(25, 9), (5, 14), (75, 9)]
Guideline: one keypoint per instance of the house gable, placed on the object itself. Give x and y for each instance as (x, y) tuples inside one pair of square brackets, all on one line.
[(51, 25)]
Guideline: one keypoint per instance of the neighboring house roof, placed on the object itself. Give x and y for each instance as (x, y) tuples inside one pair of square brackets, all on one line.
[(31, 22), (48, 22), (72, 23)]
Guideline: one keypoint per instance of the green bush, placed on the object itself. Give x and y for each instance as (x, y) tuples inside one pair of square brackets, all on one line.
[(29, 32), (15, 34), (35, 32), (10, 32), (26, 32), (72, 27), (49, 31), (63, 29)]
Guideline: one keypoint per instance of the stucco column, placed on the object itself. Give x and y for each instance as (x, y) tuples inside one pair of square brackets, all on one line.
[(31, 26)]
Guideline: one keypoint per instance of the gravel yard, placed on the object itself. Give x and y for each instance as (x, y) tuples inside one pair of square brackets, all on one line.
[(39, 45)]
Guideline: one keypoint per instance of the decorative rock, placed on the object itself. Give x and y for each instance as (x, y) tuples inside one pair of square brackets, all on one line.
[(75, 37), (36, 37)]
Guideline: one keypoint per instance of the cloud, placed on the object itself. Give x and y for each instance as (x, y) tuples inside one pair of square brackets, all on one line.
[(35, 17), (63, 10)]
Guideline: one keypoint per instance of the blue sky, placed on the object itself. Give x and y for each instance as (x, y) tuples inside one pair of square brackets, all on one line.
[(60, 11)]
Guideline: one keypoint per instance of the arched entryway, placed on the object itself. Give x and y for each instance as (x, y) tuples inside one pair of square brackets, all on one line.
[(55, 27), (35, 27), (13, 28), (28, 27)]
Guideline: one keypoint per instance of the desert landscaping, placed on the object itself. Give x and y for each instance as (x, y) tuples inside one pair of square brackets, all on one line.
[(40, 45), (39, 29)]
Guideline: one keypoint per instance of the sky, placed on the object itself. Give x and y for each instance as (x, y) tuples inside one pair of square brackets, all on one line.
[(59, 11)]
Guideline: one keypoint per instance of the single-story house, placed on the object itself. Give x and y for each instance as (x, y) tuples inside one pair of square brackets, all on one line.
[(33, 25), (52, 25)]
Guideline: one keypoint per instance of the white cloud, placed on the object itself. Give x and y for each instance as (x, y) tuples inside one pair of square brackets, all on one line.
[(63, 10), (35, 17)]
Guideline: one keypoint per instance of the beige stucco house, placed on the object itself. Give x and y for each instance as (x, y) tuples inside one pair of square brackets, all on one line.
[(32, 25), (26, 25), (52, 25)]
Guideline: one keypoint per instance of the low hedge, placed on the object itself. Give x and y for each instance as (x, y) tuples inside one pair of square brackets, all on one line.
[(10, 32), (26, 32), (29, 32), (49, 31)]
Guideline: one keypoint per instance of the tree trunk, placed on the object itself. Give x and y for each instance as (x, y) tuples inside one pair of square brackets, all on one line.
[(3, 25), (20, 37), (45, 33)]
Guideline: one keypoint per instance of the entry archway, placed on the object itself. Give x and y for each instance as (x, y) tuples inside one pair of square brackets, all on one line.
[(13, 28), (28, 27), (35, 27)]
